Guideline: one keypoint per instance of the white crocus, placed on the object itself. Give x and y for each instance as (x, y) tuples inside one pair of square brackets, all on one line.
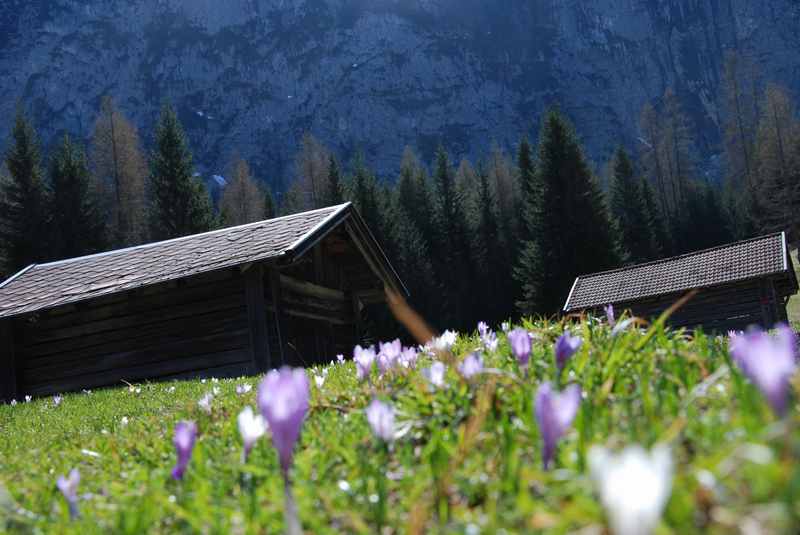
[(435, 374), (634, 486), (319, 380), (252, 426), (243, 388), (205, 403)]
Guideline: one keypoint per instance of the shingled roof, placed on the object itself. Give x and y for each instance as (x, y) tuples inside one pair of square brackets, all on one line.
[(748, 259), (42, 286)]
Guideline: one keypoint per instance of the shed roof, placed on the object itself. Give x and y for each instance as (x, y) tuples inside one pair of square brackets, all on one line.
[(42, 286), (754, 258)]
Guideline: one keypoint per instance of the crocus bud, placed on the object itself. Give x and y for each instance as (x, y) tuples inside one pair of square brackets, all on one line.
[(769, 362), (283, 400), (566, 346), (471, 365), (380, 417), (185, 435), (252, 427), (364, 359), (435, 374), (554, 413), (520, 342), (69, 488)]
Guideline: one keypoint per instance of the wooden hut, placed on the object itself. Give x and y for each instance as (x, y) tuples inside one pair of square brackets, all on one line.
[(240, 300), (739, 284)]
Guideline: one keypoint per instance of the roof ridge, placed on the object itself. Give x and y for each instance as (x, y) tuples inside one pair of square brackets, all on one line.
[(335, 208), (680, 256)]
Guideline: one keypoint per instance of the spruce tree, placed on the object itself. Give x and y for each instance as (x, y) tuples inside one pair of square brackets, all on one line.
[(527, 178), (333, 194), (78, 223), (661, 236), (269, 203), (180, 203), (23, 215), (568, 221), (490, 257), (628, 207)]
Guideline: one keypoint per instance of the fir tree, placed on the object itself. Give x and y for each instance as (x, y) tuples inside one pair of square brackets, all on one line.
[(269, 204), (78, 224), (628, 207), (180, 203), (568, 221), (23, 215)]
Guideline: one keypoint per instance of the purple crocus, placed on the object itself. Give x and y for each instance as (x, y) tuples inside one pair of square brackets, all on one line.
[(471, 365), (566, 346), (69, 488), (283, 400), (389, 355), (483, 328), (408, 358), (769, 362), (555, 412), (520, 342), (380, 417), (185, 435), (364, 359), (609, 309)]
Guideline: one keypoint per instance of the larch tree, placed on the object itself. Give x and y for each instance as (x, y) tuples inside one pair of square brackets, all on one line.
[(78, 225), (23, 200), (242, 199), (120, 171), (778, 163), (311, 171), (180, 204), (571, 230)]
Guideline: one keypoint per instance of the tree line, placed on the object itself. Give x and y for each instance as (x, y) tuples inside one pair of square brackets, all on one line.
[(473, 241)]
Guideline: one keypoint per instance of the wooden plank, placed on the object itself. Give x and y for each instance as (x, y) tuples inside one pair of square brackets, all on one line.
[(8, 363), (311, 289), (280, 321), (257, 318)]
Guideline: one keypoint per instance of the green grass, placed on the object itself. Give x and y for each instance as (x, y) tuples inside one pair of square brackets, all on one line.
[(469, 461)]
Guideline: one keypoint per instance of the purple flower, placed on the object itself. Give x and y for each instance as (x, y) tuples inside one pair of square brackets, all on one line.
[(364, 359), (389, 355), (435, 374), (566, 346), (185, 434), (408, 358), (471, 365), (69, 488), (381, 419), (555, 412), (483, 328), (769, 362), (520, 342), (610, 315), (283, 400)]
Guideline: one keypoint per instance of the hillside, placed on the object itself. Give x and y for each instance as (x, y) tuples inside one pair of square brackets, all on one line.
[(253, 75), (467, 455)]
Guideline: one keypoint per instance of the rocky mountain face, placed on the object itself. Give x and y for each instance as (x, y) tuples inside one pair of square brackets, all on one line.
[(254, 75)]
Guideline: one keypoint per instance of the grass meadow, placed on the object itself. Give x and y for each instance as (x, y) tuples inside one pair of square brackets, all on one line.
[(467, 457)]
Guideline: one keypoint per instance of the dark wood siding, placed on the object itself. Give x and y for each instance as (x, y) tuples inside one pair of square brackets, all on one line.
[(196, 327), (719, 309)]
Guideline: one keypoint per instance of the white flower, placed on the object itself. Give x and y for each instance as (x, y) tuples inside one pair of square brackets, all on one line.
[(215, 390), (214, 380), (171, 390), (445, 341), (90, 453), (13, 402), (57, 400), (320, 380), (123, 420), (205, 403), (505, 326), (435, 374), (28, 399), (252, 427), (340, 359), (634, 486), (243, 388)]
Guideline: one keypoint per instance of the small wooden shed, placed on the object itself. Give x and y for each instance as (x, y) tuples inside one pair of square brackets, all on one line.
[(739, 284), (240, 300)]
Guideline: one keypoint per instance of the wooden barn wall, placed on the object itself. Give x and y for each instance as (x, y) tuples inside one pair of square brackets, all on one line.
[(719, 309), (198, 326)]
